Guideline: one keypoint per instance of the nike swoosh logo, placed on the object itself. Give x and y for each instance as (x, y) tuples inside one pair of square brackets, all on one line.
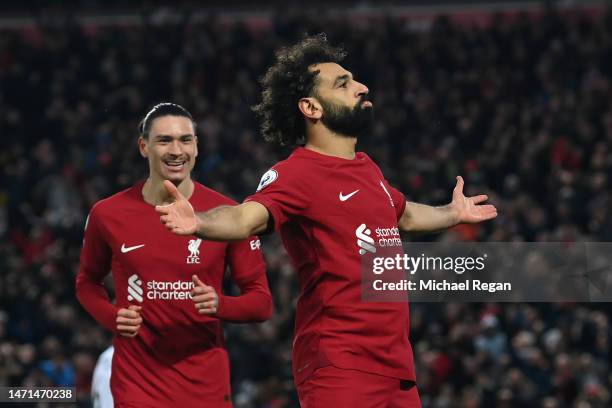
[(346, 197), (125, 249)]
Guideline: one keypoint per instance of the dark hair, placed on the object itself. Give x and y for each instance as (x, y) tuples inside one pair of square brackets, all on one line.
[(286, 82), (159, 110)]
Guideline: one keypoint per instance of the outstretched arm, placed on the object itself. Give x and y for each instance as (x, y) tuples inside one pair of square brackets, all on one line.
[(462, 209), (224, 223)]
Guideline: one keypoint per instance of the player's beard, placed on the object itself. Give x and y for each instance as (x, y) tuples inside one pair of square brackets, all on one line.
[(346, 121)]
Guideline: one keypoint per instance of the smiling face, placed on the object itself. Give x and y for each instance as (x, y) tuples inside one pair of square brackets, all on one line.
[(344, 102), (171, 148)]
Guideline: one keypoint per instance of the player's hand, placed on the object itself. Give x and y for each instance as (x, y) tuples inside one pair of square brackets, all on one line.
[(205, 297), (129, 321), (179, 216), (470, 209)]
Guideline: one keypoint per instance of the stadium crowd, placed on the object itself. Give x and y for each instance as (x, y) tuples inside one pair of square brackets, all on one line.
[(521, 108)]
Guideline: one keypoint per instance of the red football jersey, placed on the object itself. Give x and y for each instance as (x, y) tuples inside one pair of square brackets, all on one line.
[(178, 356), (324, 208)]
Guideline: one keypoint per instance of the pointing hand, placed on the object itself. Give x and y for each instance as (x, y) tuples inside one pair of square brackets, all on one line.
[(179, 216)]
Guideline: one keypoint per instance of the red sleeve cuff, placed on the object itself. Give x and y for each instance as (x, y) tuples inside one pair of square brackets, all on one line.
[(401, 209), (271, 207)]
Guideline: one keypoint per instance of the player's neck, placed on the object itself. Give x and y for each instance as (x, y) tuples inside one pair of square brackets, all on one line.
[(332, 144), (154, 192)]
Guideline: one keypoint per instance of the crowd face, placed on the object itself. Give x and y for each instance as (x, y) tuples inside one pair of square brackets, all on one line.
[(171, 148)]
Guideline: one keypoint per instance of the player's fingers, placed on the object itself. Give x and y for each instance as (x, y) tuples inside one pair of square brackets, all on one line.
[(201, 304), (209, 307), (163, 209), (197, 296), (133, 314), (459, 185), (172, 190), (200, 290), (486, 212), (129, 322), (135, 307), (204, 297), (208, 289), (121, 328), (128, 328), (490, 210), (164, 219), (479, 198), (196, 281)]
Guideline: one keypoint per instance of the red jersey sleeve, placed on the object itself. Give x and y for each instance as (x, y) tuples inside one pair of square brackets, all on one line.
[(95, 264), (249, 273), (397, 197), (281, 190)]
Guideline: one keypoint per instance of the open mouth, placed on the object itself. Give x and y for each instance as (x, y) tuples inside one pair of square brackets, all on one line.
[(175, 165)]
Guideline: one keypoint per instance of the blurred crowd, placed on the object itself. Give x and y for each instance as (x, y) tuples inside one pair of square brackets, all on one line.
[(521, 108)]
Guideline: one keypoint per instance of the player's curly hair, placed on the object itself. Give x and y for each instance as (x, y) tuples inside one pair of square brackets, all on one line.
[(286, 82)]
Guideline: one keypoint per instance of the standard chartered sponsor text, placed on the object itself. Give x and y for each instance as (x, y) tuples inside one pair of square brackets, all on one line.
[(413, 264), (163, 290), (390, 237), (443, 285)]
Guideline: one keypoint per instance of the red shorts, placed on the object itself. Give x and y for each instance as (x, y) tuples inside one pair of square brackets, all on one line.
[(340, 388)]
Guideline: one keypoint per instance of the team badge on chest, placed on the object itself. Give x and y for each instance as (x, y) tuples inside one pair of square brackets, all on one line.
[(194, 251)]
